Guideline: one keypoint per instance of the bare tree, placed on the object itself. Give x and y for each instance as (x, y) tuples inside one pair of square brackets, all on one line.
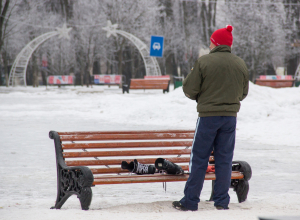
[(264, 31), (292, 28), (258, 33), (6, 11)]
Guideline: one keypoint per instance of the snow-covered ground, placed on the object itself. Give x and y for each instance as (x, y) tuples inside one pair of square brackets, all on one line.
[(268, 138)]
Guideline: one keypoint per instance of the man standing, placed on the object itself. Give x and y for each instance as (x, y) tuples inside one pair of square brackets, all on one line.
[(218, 82)]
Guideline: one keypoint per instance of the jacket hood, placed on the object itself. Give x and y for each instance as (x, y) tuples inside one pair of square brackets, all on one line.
[(221, 48)]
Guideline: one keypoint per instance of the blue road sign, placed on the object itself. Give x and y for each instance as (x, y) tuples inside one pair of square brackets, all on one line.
[(156, 46)]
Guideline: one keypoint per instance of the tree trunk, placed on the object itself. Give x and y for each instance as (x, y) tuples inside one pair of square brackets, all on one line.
[(137, 69), (132, 62), (2, 21), (44, 77), (35, 82), (111, 68), (292, 64), (171, 67), (293, 21), (88, 73), (5, 63), (107, 67), (120, 59), (81, 74)]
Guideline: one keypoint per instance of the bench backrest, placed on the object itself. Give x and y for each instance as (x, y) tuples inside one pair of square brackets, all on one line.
[(158, 77), (60, 80), (162, 83), (103, 152), (109, 79), (275, 83)]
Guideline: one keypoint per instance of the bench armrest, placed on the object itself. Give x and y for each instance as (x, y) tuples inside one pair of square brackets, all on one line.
[(71, 180)]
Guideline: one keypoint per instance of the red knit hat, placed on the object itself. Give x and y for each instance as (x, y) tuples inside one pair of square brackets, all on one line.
[(222, 36)]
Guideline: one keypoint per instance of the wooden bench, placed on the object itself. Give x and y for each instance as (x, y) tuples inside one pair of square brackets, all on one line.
[(60, 80), (148, 83), (275, 81), (109, 80), (86, 159)]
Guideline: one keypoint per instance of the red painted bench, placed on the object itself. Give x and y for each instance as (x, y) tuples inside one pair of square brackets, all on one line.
[(149, 82), (275, 81)]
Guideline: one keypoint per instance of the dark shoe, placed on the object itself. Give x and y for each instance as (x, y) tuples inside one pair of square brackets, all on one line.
[(177, 205), (142, 168), (138, 168), (168, 166), (221, 207), (127, 166)]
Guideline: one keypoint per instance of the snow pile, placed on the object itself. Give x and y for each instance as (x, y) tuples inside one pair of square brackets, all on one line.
[(267, 138), (270, 116)]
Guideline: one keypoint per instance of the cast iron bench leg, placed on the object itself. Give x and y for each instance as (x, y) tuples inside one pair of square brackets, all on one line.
[(71, 180), (74, 181), (212, 191)]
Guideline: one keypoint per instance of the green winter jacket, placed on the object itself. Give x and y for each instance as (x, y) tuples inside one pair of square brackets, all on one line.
[(218, 82)]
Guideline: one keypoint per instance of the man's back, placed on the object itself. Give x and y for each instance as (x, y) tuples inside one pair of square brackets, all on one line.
[(221, 81)]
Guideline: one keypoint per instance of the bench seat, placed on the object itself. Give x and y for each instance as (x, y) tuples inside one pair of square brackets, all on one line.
[(155, 178)]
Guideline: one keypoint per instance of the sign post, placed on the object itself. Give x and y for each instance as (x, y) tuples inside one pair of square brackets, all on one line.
[(156, 46)]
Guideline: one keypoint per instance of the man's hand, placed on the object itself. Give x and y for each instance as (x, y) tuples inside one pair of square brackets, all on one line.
[(192, 83), (187, 95)]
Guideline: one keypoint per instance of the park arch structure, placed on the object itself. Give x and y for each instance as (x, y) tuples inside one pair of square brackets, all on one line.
[(297, 73), (17, 74), (151, 64)]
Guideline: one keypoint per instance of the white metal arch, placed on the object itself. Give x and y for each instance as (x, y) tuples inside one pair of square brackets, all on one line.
[(17, 73), (19, 67), (151, 64), (297, 73)]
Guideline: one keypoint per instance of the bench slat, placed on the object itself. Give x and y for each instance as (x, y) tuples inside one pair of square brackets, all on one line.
[(125, 153), (126, 144), (119, 161), (150, 80), (94, 137), (149, 83), (148, 87), (134, 175), (125, 132), (155, 178), (119, 170)]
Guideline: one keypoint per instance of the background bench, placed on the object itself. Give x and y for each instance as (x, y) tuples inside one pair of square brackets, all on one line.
[(149, 82), (109, 79), (275, 81), (60, 80), (86, 159)]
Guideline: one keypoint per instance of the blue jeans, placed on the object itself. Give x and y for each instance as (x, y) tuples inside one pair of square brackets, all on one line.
[(216, 133)]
